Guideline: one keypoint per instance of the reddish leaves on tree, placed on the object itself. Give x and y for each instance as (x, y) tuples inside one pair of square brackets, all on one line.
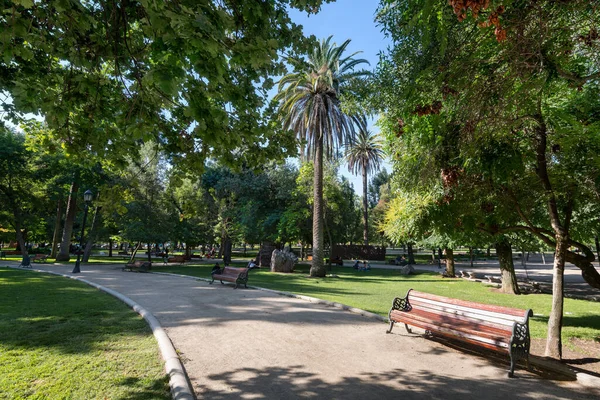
[(488, 207), (590, 37), (433, 108), (448, 91), (461, 7), (450, 176), (400, 129)]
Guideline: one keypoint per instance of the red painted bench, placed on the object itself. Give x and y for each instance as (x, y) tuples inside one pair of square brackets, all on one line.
[(230, 274), (497, 328), (139, 266), (177, 259)]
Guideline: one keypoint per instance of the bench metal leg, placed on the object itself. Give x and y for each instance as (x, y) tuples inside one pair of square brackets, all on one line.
[(391, 327), (211, 282), (407, 328)]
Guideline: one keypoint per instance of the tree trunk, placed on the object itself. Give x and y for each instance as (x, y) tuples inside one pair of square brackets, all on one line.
[(584, 262), (471, 255), (19, 234), (554, 340), (227, 250), (543, 257), (65, 243), (91, 237), (328, 231), (317, 268), (365, 205), (134, 252), (57, 225), (597, 248), (507, 268), (411, 254), (449, 262), (110, 247), (149, 252)]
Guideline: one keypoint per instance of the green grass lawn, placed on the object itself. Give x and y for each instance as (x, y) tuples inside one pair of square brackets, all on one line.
[(61, 339), (375, 290)]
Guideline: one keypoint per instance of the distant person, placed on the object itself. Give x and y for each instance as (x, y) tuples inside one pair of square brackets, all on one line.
[(365, 266), (356, 264), (252, 265)]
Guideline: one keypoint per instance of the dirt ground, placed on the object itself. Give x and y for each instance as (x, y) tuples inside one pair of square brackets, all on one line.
[(581, 355)]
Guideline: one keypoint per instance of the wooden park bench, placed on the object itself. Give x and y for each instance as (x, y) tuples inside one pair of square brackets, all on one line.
[(230, 274), (39, 257), (497, 328), (177, 259), (138, 266)]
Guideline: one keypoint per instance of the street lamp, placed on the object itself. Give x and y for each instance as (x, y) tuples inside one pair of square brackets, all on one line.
[(87, 198)]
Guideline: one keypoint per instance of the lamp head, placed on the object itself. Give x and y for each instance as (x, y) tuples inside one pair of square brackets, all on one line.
[(87, 196)]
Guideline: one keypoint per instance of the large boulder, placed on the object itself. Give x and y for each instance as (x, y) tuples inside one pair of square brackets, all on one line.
[(283, 261)]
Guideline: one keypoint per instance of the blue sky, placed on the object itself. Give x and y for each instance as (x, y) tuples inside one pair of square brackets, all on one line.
[(354, 20)]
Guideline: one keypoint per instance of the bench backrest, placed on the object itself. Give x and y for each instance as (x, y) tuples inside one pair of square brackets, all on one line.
[(233, 270), (499, 315)]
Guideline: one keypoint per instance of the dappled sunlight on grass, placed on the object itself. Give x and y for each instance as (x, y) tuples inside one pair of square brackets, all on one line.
[(51, 327)]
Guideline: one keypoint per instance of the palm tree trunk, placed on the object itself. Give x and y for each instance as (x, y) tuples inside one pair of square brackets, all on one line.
[(317, 268), (63, 255), (365, 205)]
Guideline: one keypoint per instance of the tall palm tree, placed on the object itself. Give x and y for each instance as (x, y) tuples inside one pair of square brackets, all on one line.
[(309, 105), (364, 155)]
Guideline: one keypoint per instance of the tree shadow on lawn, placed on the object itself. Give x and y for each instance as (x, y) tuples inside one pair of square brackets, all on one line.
[(47, 311), (298, 382), (144, 389)]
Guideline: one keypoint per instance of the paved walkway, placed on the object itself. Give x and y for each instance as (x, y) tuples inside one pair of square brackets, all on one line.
[(252, 344)]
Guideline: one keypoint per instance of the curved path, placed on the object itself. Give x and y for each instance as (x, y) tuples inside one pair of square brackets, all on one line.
[(249, 343)]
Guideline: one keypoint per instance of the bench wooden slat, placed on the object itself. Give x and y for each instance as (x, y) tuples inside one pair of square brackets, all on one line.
[(493, 342), (474, 330), (501, 319), (470, 304)]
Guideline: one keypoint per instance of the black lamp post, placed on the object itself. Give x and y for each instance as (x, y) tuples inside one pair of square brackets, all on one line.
[(87, 198)]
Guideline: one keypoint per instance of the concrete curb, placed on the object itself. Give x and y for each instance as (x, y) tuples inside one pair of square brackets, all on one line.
[(178, 381)]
